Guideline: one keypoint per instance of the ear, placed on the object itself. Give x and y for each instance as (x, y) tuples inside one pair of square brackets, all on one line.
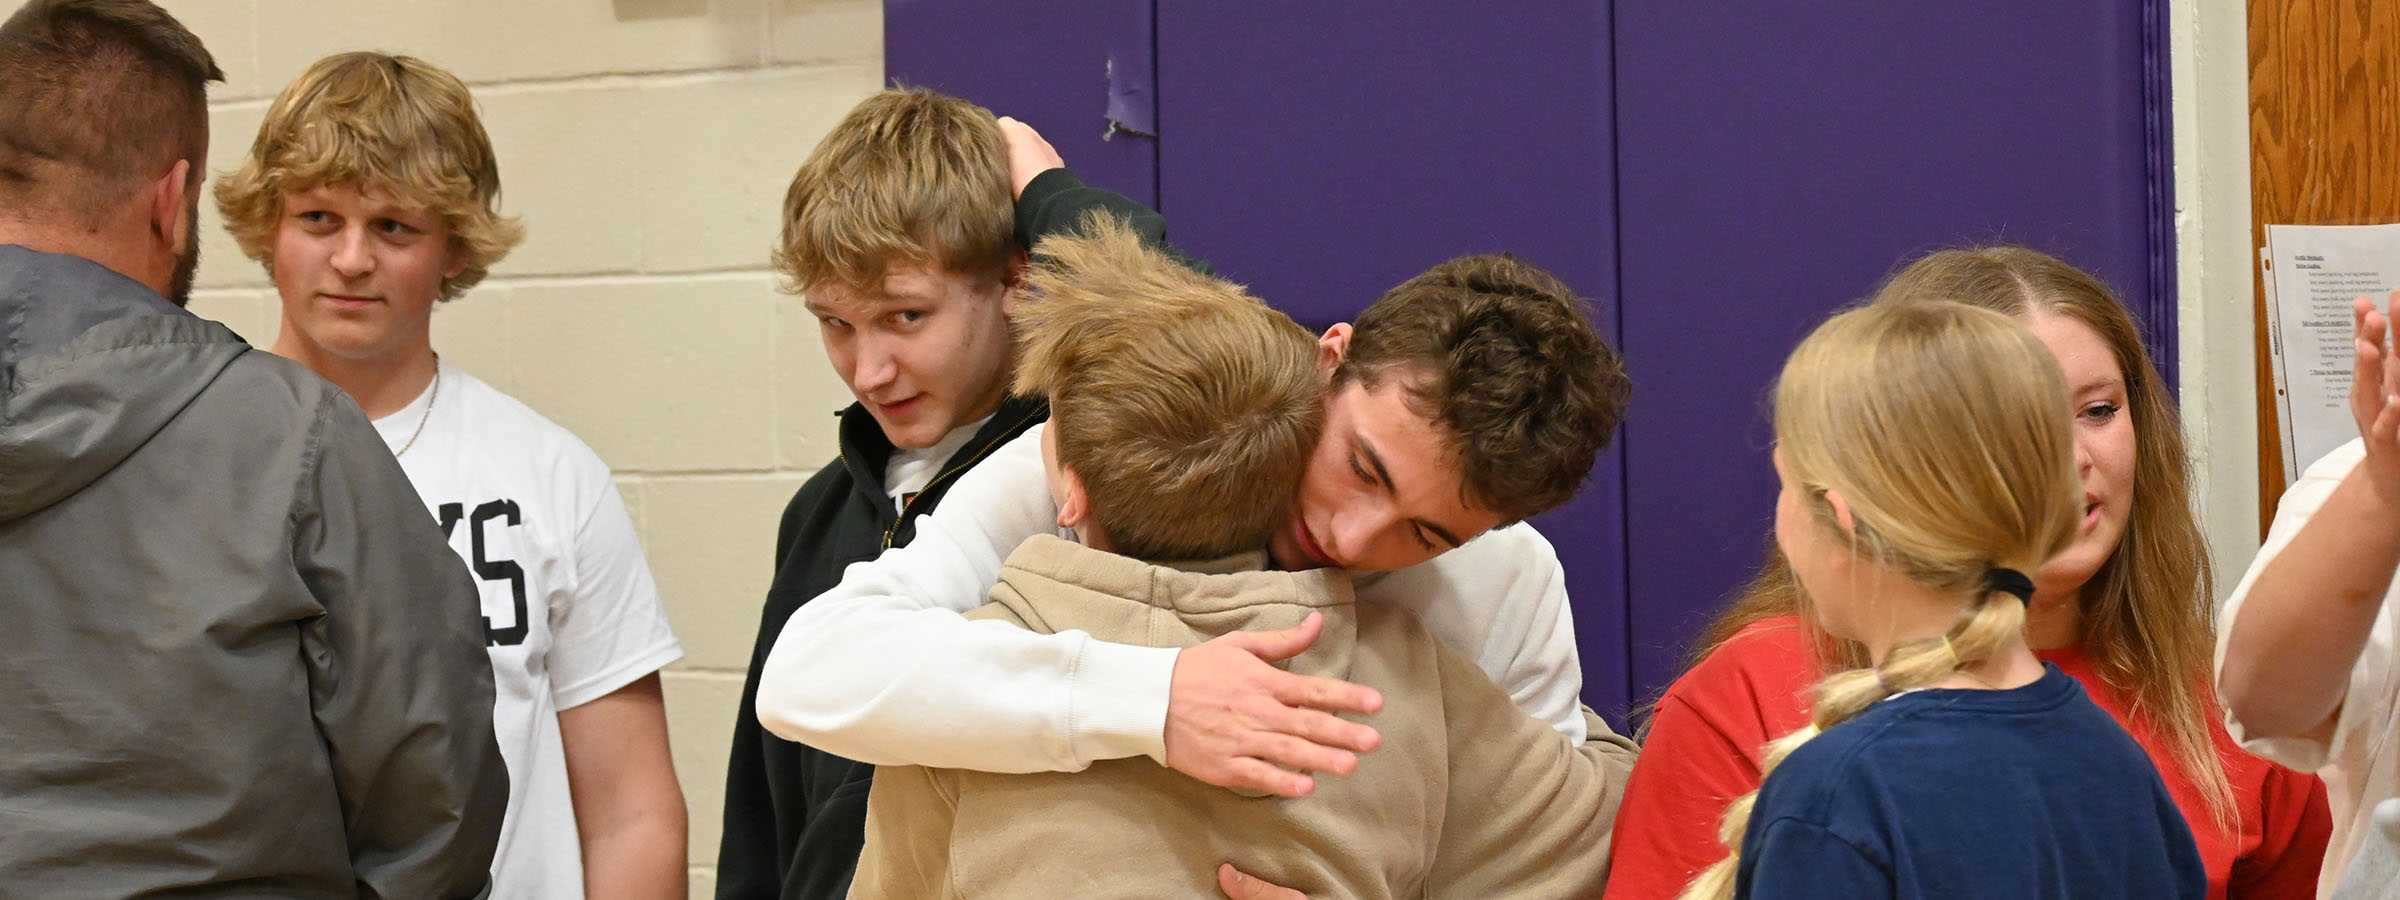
[(1012, 280), (1841, 512), (1333, 348), (455, 261), (1074, 504), (170, 215)]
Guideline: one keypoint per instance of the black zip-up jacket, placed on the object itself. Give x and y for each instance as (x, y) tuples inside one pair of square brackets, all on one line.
[(796, 816)]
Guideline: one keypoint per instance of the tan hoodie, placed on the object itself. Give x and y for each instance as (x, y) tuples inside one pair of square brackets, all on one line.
[(1467, 797)]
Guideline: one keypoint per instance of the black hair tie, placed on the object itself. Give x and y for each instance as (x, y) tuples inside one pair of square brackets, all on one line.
[(2010, 581)]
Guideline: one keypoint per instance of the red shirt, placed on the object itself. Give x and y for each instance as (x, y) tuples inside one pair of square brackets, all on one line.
[(1710, 730)]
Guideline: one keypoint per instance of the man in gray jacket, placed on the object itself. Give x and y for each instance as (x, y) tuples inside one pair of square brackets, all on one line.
[(238, 658)]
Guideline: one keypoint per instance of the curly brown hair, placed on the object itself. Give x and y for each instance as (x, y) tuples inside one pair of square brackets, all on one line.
[(1503, 355)]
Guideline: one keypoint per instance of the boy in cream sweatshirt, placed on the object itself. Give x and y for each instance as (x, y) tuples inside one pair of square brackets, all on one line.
[(1183, 412)]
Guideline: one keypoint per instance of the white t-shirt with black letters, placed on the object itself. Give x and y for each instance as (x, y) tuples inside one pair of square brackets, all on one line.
[(570, 610)]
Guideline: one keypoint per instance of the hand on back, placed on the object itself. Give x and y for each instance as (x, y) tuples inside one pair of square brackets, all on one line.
[(1235, 721)]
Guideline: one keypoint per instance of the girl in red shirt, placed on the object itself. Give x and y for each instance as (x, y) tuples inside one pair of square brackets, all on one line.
[(2126, 610)]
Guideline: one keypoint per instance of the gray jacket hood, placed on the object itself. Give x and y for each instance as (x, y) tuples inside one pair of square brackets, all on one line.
[(73, 335)]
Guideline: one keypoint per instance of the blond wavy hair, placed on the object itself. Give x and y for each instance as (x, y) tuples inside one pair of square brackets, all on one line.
[(1187, 407), (908, 176), (1938, 423), (381, 123)]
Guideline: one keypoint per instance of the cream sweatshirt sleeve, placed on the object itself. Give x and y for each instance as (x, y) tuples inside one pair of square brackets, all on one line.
[(884, 669)]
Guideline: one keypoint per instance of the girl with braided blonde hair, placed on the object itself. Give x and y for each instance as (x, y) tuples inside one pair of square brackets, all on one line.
[(1925, 472), (2126, 610)]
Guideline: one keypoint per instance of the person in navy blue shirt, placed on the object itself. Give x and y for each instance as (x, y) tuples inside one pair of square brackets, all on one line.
[(1925, 470)]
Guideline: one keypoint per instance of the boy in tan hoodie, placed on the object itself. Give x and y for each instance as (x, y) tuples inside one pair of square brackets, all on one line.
[(1183, 411)]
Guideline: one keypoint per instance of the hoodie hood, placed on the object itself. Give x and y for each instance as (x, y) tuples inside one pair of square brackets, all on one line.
[(92, 364)]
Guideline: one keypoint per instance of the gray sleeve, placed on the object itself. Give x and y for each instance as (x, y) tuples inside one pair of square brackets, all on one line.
[(397, 671)]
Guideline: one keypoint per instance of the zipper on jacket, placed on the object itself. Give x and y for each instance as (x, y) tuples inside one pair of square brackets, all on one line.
[(892, 533)]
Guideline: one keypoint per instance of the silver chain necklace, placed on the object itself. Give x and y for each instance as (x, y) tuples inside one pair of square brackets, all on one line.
[(428, 416)]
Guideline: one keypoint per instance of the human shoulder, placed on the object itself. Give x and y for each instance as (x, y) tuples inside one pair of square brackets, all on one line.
[(1520, 542), (275, 386), (832, 480), (1502, 599), (1771, 652), (1893, 739), (508, 432), (269, 405), (492, 408), (1755, 685), (1490, 566), (2337, 463), (1848, 746), (277, 397)]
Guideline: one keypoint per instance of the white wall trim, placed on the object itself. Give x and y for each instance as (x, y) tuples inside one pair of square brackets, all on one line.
[(2215, 269)]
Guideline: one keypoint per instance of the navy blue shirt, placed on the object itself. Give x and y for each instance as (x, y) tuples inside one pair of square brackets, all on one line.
[(2020, 794)]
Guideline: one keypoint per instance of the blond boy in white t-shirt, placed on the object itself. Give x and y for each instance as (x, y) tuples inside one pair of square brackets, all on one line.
[(370, 196), (2306, 654)]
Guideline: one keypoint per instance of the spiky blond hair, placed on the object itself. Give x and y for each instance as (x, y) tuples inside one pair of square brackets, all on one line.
[(1187, 407)]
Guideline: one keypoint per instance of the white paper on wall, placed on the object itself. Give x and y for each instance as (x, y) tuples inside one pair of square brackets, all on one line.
[(2313, 272)]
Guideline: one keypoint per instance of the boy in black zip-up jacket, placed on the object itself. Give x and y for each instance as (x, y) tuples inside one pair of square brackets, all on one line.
[(911, 294)]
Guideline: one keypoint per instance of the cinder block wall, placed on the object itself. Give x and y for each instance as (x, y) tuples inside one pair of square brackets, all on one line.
[(646, 145)]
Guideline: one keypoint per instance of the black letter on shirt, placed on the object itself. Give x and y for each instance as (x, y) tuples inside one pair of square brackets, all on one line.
[(498, 569)]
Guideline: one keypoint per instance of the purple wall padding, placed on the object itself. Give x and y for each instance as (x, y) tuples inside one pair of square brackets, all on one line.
[(2155, 309), (1064, 67), (1324, 152), (1775, 162), (1718, 179)]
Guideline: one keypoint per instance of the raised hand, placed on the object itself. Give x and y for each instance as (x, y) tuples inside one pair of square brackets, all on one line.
[(1235, 721), (2375, 393), (1028, 154)]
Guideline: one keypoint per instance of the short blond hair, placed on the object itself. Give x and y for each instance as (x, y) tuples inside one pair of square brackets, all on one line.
[(1187, 407), (908, 176), (380, 122)]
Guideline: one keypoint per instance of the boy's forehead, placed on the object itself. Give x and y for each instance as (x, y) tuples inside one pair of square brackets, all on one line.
[(901, 283), (373, 196), (925, 279)]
